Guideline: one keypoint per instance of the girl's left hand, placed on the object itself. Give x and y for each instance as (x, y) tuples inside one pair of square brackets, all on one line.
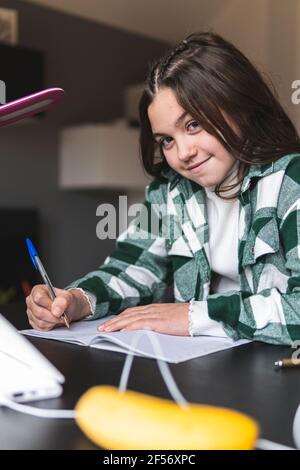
[(170, 319)]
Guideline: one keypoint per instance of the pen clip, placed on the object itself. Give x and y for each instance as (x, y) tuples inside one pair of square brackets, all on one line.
[(32, 252)]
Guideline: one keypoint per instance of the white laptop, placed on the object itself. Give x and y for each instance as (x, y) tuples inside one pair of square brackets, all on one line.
[(25, 374)]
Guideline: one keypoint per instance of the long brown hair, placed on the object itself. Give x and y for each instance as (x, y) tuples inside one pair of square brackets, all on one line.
[(212, 79)]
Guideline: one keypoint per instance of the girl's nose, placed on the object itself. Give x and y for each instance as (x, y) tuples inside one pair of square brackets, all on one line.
[(186, 151)]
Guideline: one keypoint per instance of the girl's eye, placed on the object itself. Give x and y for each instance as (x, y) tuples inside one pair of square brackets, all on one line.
[(165, 142), (193, 125)]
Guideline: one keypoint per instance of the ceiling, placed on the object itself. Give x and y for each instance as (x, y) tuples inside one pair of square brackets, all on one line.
[(167, 20)]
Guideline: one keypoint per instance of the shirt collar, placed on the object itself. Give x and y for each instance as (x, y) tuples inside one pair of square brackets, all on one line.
[(256, 171), (172, 176)]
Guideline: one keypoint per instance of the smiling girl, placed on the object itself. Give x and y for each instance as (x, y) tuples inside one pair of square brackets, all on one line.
[(226, 198)]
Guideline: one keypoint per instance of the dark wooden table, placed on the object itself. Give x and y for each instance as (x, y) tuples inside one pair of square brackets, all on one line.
[(242, 378)]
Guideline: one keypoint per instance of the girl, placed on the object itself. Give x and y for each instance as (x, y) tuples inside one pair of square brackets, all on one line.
[(224, 208)]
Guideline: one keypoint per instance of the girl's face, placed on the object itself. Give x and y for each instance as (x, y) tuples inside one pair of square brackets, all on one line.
[(188, 148)]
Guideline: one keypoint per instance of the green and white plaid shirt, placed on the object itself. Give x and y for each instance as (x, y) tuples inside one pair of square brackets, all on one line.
[(168, 246)]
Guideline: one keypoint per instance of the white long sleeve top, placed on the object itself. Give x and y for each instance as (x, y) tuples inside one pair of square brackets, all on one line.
[(223, 216)]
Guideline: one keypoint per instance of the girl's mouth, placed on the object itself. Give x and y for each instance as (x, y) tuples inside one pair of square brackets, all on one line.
[(195, 167)]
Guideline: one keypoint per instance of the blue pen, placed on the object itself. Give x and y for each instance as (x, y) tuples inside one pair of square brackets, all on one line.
[(40, 268)]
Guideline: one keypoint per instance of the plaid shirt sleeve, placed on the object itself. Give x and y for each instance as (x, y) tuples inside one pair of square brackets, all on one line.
[(138, 271), (270, 315)]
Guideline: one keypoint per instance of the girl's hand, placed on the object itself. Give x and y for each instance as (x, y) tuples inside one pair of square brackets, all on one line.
[(45, 314), (171, 319)]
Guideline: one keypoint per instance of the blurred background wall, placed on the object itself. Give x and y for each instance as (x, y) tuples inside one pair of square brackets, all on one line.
[(94, 49), (93, 63)]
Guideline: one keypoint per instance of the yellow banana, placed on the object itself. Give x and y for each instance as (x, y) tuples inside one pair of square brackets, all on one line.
[(131, 420)]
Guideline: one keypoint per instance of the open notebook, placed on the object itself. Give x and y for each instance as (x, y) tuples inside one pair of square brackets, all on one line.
[(174, 348)]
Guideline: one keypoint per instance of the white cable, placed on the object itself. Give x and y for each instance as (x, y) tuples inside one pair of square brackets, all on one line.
[(262, 444), (265, 444), (71, 414), (296, 428), (163, 367), (40, 413)]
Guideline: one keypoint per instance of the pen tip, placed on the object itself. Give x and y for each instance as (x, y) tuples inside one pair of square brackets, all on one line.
[(66, 320)]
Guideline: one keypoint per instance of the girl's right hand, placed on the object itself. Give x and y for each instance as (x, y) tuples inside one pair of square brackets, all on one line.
[(45, 314)]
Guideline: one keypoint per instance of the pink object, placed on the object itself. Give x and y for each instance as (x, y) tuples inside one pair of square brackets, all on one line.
[(29, 105)]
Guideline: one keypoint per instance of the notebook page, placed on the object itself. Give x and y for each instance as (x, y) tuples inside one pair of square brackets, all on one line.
[(82, 332), (175, 349)]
